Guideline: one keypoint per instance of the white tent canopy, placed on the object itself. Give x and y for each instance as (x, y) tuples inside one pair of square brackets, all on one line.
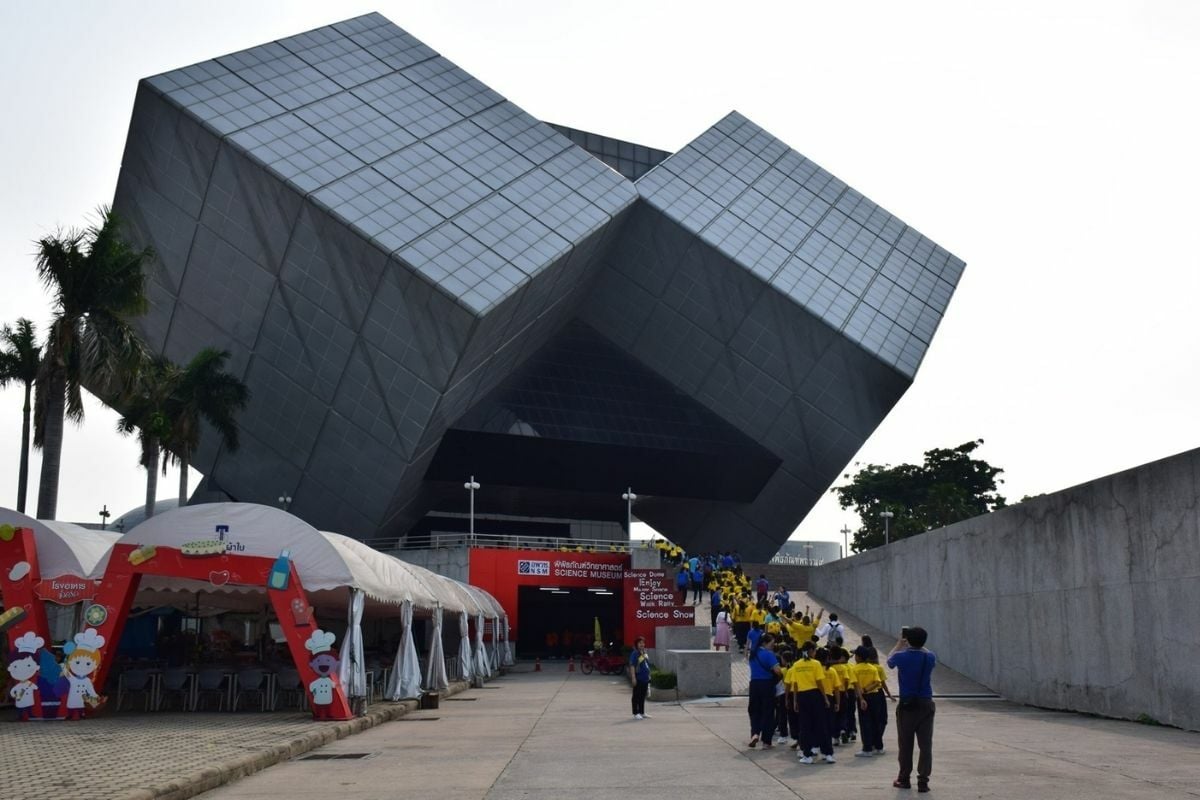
[(328, 563), (64, 548)]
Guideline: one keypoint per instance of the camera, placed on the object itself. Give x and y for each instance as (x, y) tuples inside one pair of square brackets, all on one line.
[(904, 633)]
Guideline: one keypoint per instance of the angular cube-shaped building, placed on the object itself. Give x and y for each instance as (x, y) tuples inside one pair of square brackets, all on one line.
[(421, 282)]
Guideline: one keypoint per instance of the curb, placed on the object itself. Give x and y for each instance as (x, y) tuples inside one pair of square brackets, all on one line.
[(201, 781)]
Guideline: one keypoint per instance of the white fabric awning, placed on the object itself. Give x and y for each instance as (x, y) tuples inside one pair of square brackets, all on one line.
[(64, 548), (327, 563)]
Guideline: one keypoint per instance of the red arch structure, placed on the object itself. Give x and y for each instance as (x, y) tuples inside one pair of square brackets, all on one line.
[(119, 585)]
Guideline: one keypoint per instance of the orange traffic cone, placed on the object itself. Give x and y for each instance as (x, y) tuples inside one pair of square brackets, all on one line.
[(571, 664), (537, 664)]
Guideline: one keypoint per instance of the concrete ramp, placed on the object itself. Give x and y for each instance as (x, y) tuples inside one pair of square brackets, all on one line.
[(946, 682)]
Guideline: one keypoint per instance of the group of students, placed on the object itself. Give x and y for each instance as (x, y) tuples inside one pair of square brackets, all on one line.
[(817, 698), (812, 700), (708, 572)]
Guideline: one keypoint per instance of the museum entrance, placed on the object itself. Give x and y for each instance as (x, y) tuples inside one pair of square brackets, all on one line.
[(557, 622)]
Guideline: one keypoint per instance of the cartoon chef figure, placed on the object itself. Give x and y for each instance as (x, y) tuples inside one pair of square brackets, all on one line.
[(24, 669), (80, 663), (325, 664)]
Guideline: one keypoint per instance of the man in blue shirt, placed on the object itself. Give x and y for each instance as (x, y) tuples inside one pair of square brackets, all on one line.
[(914, 712), (765, 672), (697, 585), (639, 676)]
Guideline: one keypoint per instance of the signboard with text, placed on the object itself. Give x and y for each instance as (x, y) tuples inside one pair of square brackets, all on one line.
[(651, 600), (66, 590)]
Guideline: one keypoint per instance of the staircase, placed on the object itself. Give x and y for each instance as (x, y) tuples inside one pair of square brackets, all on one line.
[(793, 577)]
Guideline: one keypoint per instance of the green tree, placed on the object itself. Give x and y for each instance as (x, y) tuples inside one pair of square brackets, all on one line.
[(97, 284), (949, 486), (203, 392), (19, 363), (144, 403)]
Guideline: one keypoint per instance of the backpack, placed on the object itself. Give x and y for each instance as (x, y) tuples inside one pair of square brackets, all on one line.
[(761, 585), (835, 630)]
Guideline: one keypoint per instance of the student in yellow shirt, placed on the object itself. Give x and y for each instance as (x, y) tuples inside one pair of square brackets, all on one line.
[(872, 707), (741, 622), (847, 728), (808, 701), (833, 688), (802, 630), (759, 614), (772, 622)]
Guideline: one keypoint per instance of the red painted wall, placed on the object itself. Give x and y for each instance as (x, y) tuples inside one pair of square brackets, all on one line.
[(502, 571)]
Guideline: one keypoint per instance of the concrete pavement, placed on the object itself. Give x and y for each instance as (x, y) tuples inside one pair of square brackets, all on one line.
[(555, 734), (163, 755)]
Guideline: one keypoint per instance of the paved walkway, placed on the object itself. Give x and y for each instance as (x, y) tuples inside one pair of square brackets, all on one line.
[(555, 734), (133, 756)]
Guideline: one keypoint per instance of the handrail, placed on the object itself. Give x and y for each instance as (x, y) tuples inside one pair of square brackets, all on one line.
[(446, 540)]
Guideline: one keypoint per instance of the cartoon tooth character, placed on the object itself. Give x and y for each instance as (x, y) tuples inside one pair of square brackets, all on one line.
[(80, 663), (24, 669), (325, 664)]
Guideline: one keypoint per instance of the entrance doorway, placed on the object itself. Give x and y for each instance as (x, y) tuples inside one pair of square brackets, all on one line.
[(557, 623)]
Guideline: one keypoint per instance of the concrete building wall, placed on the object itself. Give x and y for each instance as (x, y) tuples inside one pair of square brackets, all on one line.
[(1087, 599), (453, 562)]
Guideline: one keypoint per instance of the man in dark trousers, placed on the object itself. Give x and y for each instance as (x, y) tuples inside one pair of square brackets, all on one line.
[(914, 712), (639, 676)]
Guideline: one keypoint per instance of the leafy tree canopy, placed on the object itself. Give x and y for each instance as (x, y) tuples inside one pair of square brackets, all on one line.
[(949, 486)]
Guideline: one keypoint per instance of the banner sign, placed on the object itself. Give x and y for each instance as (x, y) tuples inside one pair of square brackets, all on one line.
[(651, 600), (66, 590)]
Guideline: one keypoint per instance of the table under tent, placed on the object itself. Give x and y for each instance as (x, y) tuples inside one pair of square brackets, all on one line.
[(229, 606)]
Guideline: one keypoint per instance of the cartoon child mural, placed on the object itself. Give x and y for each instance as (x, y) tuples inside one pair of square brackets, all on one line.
[(82, 659), (325, 664), (23, 668)]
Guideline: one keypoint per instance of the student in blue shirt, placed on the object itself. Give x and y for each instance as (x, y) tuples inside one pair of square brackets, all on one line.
[(752, 637), (914, 712), (681, 582), (765, 672), (639, 676)]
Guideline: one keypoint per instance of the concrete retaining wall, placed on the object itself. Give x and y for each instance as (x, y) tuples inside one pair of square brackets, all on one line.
[(1087, 599), (702, 672), (677, 637)]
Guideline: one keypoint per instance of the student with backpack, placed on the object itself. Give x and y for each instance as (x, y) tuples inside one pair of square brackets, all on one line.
[(831, 631)]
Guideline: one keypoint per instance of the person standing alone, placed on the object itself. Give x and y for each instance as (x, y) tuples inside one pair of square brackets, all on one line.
[(914, 712), (639, 676)]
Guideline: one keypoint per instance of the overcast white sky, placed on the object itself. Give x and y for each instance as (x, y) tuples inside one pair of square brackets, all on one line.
[(1052, 145)]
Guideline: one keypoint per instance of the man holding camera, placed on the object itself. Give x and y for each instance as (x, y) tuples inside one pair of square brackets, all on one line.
[(914, 712)]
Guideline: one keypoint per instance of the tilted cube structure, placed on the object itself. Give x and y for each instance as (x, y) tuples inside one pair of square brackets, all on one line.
[(420, 282)]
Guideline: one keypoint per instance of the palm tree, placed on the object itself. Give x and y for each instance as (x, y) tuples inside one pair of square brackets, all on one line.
[(96, 281), (144, 403), (19, 363), (204, 392)]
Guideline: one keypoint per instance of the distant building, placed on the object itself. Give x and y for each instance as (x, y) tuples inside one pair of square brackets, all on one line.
[(421, 283), (807, 553)]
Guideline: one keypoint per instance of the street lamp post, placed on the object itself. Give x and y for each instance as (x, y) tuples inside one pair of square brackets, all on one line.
[(845, 540), (628, 496), (887, 516), (104, 515), (471, 486), (285, 500)]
